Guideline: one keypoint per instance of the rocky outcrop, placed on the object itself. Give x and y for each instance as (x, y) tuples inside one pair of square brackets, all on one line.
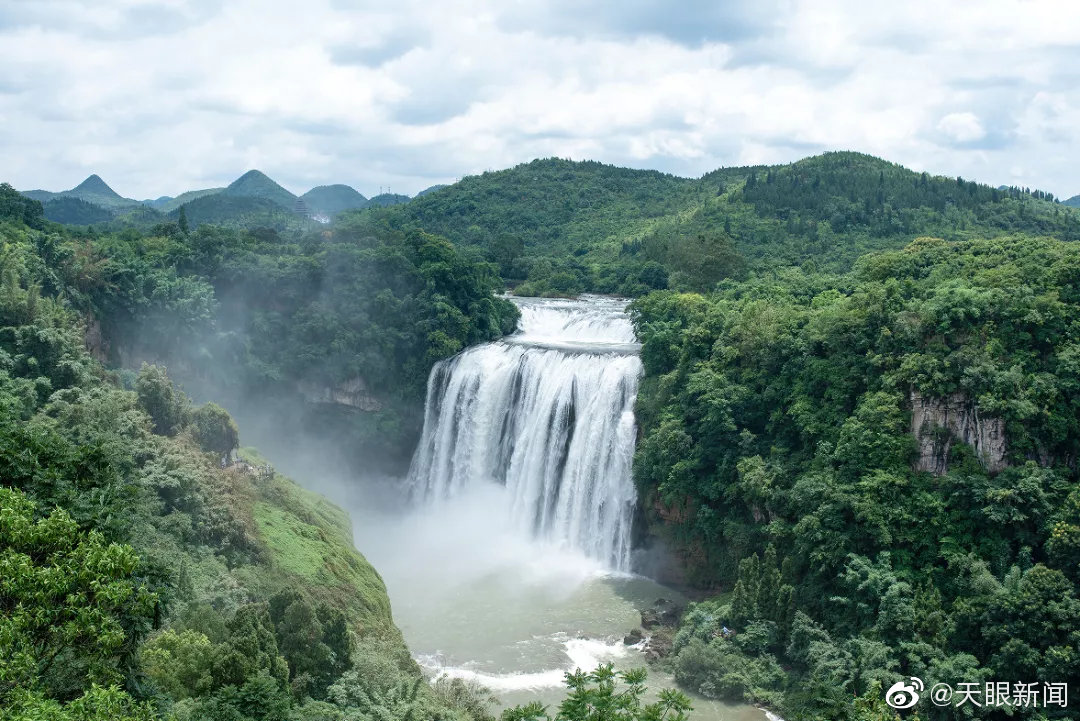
[(937, 423), (95, 339), (658, 645), (353, 392), (663, 612)]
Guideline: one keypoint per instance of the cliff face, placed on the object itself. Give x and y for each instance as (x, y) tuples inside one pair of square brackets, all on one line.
[(353, 392), (95, 339), (939, 422)]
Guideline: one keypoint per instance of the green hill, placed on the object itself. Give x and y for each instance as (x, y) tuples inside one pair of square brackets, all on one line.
[(431, 189), (329, 200), (255, 184), (238, 211), (172, 204), (1073, 202), (803, 447), (156, 203), (149, 581), (570, 226), (384, 200), (75, 211), (92, 190)]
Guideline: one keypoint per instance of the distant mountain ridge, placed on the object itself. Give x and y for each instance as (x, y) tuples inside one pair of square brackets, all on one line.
[(588, 208), (93, 190), (253, 198)]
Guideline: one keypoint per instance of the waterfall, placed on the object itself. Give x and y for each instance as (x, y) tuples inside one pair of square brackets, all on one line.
[(548, 413)]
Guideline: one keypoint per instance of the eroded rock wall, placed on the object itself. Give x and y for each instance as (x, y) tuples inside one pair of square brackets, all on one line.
[(937, 423), (353, 392)]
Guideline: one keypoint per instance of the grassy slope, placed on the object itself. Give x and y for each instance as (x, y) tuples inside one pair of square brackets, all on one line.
[(309, 544)]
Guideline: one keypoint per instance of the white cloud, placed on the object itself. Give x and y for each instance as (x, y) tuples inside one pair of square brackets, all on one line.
[(962, 127), (159, 96)]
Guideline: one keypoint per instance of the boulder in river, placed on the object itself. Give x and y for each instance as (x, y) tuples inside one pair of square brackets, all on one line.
[(659, 645), (663, 612), (634, 637)]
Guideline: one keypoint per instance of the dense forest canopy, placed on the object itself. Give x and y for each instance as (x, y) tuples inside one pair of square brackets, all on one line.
[(286, 317), (560, 227), (781, 455)]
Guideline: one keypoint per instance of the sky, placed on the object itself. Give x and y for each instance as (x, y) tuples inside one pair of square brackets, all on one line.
[(162, 96)]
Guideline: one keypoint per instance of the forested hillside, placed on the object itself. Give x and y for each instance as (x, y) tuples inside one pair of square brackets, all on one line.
[(334, 331), (143, 578), (878, 468), (561, 227)]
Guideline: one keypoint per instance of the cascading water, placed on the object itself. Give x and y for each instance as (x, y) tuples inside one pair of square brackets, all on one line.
[(547, 412)]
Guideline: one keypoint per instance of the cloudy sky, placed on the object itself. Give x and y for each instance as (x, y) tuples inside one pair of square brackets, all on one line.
[(160, 96)]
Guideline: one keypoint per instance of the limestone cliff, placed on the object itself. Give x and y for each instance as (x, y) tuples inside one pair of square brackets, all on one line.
[(353, 392), (939, 422), (95, 339)]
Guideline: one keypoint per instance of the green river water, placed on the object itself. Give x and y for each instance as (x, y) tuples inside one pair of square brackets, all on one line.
[(476, 601)]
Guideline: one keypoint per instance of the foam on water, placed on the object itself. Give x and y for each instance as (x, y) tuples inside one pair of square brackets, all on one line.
[(582, 654)]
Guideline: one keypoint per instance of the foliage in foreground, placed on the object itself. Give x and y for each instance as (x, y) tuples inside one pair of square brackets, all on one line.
[(595, 696)]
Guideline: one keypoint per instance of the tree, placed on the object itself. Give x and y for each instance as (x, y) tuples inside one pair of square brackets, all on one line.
[(593, 697), (704, 259), (505, 251), (163, 402), (251, 649), (180, 663), (97, 704), (215, 429), (18, 207), (182, 221), (72, 609)]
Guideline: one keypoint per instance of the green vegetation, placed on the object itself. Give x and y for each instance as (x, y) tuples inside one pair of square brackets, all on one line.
[(76, 211), (779, 457), (799, 324), (593, 697), (297, 319), (239, 212), (558, 227), (330, 200), (255, 184), (142, 576), (166, 204)]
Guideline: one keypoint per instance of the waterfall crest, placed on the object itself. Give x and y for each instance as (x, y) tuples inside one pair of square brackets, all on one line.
[(547, 412)]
